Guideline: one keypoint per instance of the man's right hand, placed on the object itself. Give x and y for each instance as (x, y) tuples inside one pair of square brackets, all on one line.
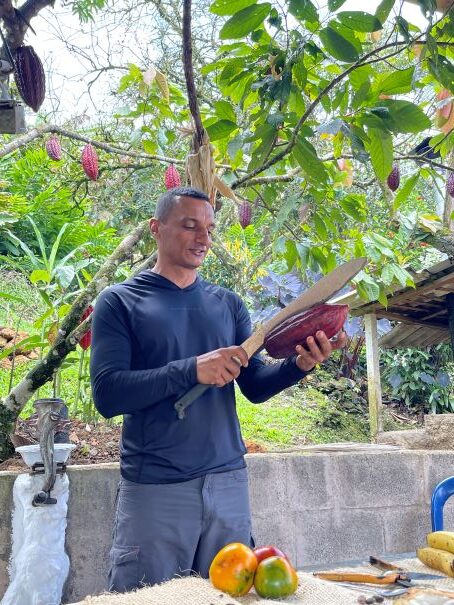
[(219, 367)]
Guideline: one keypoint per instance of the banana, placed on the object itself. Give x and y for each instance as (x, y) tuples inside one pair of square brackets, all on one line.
[(437, 559), (441, 539)]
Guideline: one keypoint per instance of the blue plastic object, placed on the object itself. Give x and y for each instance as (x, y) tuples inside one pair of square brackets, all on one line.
[(441, 493)]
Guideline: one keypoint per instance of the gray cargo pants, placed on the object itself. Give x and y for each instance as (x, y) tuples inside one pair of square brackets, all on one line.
[(175, 529)]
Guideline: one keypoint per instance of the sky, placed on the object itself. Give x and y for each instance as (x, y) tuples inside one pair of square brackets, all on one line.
[(68, 91)]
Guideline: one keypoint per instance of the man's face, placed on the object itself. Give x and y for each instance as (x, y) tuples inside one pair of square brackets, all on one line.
[(184, 237)]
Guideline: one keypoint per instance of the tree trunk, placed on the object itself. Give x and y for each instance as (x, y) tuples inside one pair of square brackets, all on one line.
[(68, 336)]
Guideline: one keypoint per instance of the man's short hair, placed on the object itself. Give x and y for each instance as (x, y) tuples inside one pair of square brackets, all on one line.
[(169, 199)]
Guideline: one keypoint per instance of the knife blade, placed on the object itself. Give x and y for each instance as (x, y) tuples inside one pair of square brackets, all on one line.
[(319, 293), (413, 575)]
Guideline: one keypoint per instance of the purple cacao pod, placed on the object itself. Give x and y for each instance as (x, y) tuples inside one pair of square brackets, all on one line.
[(244, 214), (172, 177), (53, 148), (89, 160), (394, 178), (450, 183), (29, 76)]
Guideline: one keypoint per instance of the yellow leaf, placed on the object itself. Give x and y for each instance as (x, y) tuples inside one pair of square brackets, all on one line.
[(163, 86)]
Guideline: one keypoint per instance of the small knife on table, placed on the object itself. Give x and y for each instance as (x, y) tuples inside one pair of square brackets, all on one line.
[(388, 577)]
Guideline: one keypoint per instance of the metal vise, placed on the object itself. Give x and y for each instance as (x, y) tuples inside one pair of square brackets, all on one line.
[(48, 416)]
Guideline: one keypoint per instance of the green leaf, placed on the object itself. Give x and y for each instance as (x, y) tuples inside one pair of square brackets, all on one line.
[(229, 7), (40, 275), (397, 82), (12, 297), (443, 70), (220, 129), (359, 21), (368, 288), (245, 21), (381, 152), (355, 206), (333, 5), (405, 191), (338, 46), (320, 227), (405, 116), (383, 9), (307, 158), (225, 111), (303, 10)]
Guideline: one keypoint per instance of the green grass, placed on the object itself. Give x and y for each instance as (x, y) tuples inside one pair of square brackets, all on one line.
[(12, 313)]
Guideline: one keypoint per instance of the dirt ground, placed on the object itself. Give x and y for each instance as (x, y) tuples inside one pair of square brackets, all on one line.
[(96, 443)]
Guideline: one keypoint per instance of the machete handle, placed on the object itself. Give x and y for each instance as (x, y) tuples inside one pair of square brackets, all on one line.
[(363, 578), (183, 402)]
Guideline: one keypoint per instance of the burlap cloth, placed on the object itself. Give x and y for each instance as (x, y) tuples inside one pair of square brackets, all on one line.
[(311, 591)]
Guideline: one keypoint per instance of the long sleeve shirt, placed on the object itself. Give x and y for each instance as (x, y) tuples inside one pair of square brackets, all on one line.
[(147, 333)]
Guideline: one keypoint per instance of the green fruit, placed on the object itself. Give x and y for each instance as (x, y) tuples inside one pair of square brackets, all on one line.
[(275, 578)]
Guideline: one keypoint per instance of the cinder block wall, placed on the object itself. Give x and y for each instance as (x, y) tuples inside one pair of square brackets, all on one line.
[(320, 508)]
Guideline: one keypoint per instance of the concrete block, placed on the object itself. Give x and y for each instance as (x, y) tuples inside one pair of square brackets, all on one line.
[(406, 531), (278, 530), (369, 480), (438, 466), (309, 486), (350, 534), (268, 482)]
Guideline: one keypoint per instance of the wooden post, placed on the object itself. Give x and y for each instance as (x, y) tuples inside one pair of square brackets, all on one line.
[(373, 376)]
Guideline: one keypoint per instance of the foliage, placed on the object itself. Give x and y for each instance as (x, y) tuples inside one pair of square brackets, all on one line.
[(420, 377)]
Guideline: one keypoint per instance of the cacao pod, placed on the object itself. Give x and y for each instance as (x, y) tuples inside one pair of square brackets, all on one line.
[(89, 160), (85, 341), (29, 77), (53, 148), (450, 184), (394, 178), (172, 177), (281, 341), (244, 214)]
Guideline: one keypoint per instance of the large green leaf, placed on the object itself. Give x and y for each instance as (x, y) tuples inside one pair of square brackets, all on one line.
[(303, 10), (225, 111), (383, 9), (405, 191), (359, 21), (220, 129), (397, 82), (229, 7), (307, 158), (245, 21), (381, 152), (405, 116), (338, 46), (355, 206), (333, 5)]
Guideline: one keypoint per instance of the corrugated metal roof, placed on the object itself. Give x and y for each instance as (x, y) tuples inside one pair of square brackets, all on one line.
[(422, 311)]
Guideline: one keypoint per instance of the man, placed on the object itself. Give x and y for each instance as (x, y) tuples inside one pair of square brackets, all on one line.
[(183, 492)]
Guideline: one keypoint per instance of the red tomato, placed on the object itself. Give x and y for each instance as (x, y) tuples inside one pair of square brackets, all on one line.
[(263, 552)]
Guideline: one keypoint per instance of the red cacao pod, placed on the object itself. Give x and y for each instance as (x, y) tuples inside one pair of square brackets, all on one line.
[(394, 178), (245, 214), (89, 161), (281, 341), (53, 148), (85, 341), (450, 183), (172, 177), (29, 76)]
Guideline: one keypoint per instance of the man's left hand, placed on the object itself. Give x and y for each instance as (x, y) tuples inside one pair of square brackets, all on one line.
[(318, 349)]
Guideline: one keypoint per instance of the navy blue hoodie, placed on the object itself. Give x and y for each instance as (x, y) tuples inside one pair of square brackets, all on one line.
[(147, 333)]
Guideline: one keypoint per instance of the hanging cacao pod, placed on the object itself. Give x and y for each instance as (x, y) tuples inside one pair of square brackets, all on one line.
[(394, 178), (172, 177), (85, 341), (281, 341), (89, 160), (29, 77), (450, 183), (53, 148), (245, 214)]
